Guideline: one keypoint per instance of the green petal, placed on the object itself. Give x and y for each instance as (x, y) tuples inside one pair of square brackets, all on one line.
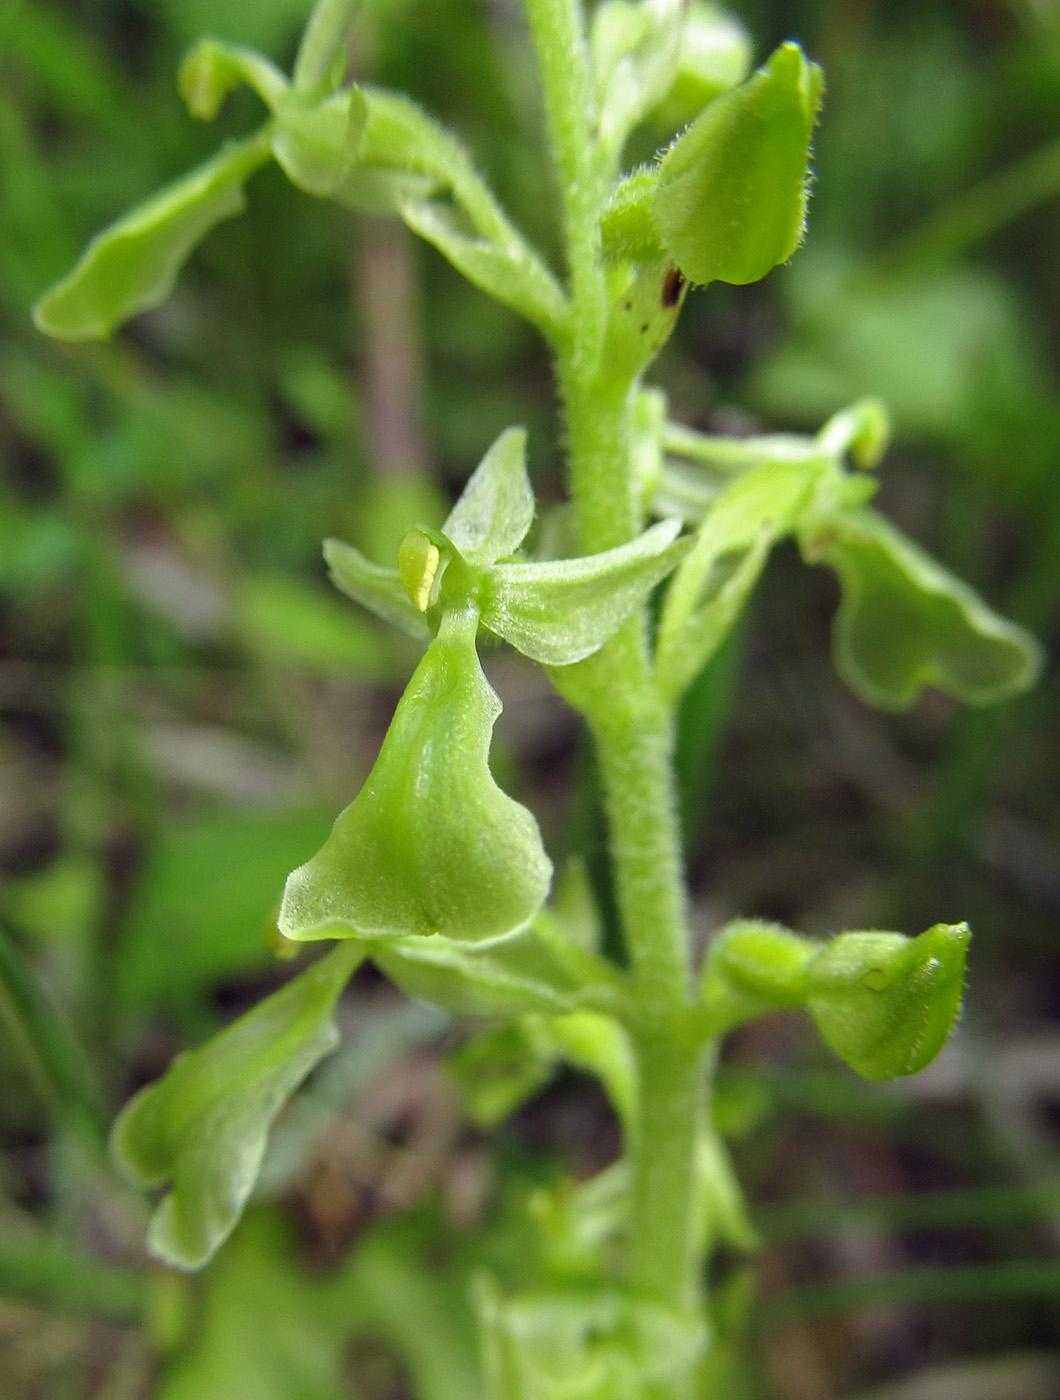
[(496, 507), (561, 611), (510, 274), (714, 583)]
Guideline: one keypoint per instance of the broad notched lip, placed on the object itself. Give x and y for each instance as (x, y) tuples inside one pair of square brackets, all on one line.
[(431, 844)]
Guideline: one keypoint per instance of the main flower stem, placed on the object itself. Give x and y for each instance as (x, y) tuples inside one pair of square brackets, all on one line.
[(632, 731), (631, 725)]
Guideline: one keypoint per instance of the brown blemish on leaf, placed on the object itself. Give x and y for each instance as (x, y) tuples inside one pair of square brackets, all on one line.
[(673, 286)]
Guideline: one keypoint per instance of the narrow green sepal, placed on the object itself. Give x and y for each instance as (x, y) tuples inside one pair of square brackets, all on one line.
[(716, 52), (496, 507), (636, 48), (414, 156), (379, 589), (561, 611), (722, 458), (733, 188), (132, 265), (379, 153), (722, 1204), (768, 497), (431, 844), (212, 69), (646, 425), (905, 622), (707, 627), (886, 1003), (202, 1127)]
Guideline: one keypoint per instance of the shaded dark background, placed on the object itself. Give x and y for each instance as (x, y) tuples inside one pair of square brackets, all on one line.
[(185, 705)]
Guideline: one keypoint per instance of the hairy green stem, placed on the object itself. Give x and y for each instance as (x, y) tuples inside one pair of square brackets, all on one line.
[(597, 421), (632, 727), (635, 749), (558, 33)]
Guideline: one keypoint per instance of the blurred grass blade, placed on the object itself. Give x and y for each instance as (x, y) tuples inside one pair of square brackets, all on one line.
[(1014, 1278), (976, 214), (57, 1060), (63, 1280), (989, 1206)]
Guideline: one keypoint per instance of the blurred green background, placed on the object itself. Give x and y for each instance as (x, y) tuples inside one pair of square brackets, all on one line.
[(184, 705)]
